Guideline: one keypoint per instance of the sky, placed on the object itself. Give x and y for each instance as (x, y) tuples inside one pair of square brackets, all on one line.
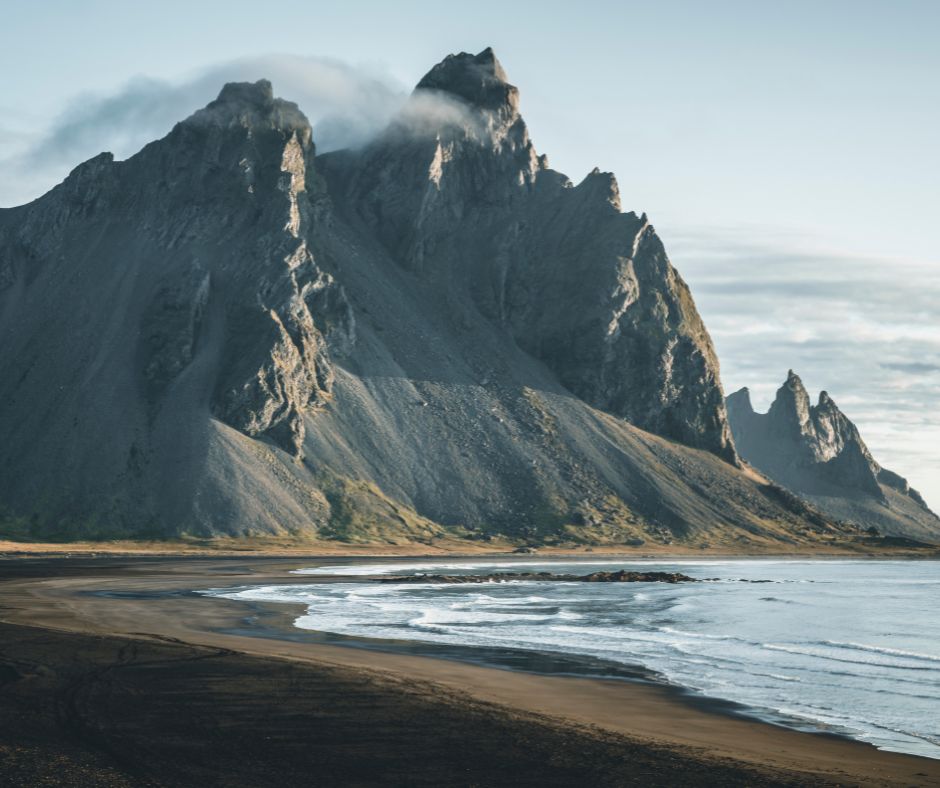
[(786, 152)]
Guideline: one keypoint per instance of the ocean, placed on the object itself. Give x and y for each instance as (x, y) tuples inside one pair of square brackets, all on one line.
[(844, 646)]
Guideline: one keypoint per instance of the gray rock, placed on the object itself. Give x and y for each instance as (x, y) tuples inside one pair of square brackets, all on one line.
[(816, 451), (470, 207)]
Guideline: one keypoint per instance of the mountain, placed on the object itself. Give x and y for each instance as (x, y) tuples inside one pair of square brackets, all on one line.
[(433, 335), (817, 452)]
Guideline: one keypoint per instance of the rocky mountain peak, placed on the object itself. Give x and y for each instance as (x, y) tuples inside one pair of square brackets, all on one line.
[(252, 105), (794, 382), (463, 200), (604, 185), (740, 401), (477, 79), (791, 406), (826, 402), (258, 94), (819, 452)]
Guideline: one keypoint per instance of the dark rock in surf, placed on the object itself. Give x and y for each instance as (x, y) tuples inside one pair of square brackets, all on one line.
[(621, 576)]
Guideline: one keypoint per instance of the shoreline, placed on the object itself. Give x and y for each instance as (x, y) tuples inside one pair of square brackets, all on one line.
[(454, 549), (535, 663), (103, 597)]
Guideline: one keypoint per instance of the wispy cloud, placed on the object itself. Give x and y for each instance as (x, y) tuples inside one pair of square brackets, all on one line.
[(866, 329), (346, 104), (912, 367), (12, 138)]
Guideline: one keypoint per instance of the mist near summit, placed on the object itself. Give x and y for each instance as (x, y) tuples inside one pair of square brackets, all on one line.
[(346, 104)]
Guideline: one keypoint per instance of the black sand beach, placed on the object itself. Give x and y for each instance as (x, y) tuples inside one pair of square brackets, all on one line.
[(146, 688)]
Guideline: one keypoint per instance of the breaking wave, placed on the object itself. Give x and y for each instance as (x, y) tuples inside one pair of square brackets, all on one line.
[(852, 646)]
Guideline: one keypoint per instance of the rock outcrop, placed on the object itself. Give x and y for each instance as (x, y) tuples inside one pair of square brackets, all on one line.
[(436, 335), (816, 451), (619, 576)]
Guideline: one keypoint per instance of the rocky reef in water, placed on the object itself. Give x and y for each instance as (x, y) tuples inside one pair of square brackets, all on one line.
[(619, 576)]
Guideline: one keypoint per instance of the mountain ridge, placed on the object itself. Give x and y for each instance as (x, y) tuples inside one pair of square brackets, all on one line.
[(435, 334), (818, 452)]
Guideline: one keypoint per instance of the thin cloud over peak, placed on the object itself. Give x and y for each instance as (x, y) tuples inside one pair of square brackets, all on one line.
[(346, 104)]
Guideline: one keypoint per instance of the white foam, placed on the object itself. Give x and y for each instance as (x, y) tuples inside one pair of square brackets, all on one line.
[(895, 652), (379, 568), (836, 655), (717, 638)]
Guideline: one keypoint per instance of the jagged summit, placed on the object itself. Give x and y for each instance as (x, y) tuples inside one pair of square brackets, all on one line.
[(465, 101), (791, 406), (790, 401), (819, 432), (818, 452), (258, 94), (604, 184), (739, 400), (583, 287), (252, 105), (794, 383), (477, 79)]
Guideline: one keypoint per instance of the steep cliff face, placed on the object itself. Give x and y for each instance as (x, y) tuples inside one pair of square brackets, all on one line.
[(456, 193), (436, 334), (149, 294), (818, 452)]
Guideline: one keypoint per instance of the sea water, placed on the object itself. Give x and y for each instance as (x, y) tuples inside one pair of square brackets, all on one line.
[(851, 647)]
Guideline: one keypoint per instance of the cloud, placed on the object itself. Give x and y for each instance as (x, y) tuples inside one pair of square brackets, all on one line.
[(11, 138), (346, 104), (429, 110), (912, 367), (866, 329), (16, 131)]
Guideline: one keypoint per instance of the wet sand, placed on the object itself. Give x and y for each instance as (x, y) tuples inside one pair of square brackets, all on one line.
[(148, 684)]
